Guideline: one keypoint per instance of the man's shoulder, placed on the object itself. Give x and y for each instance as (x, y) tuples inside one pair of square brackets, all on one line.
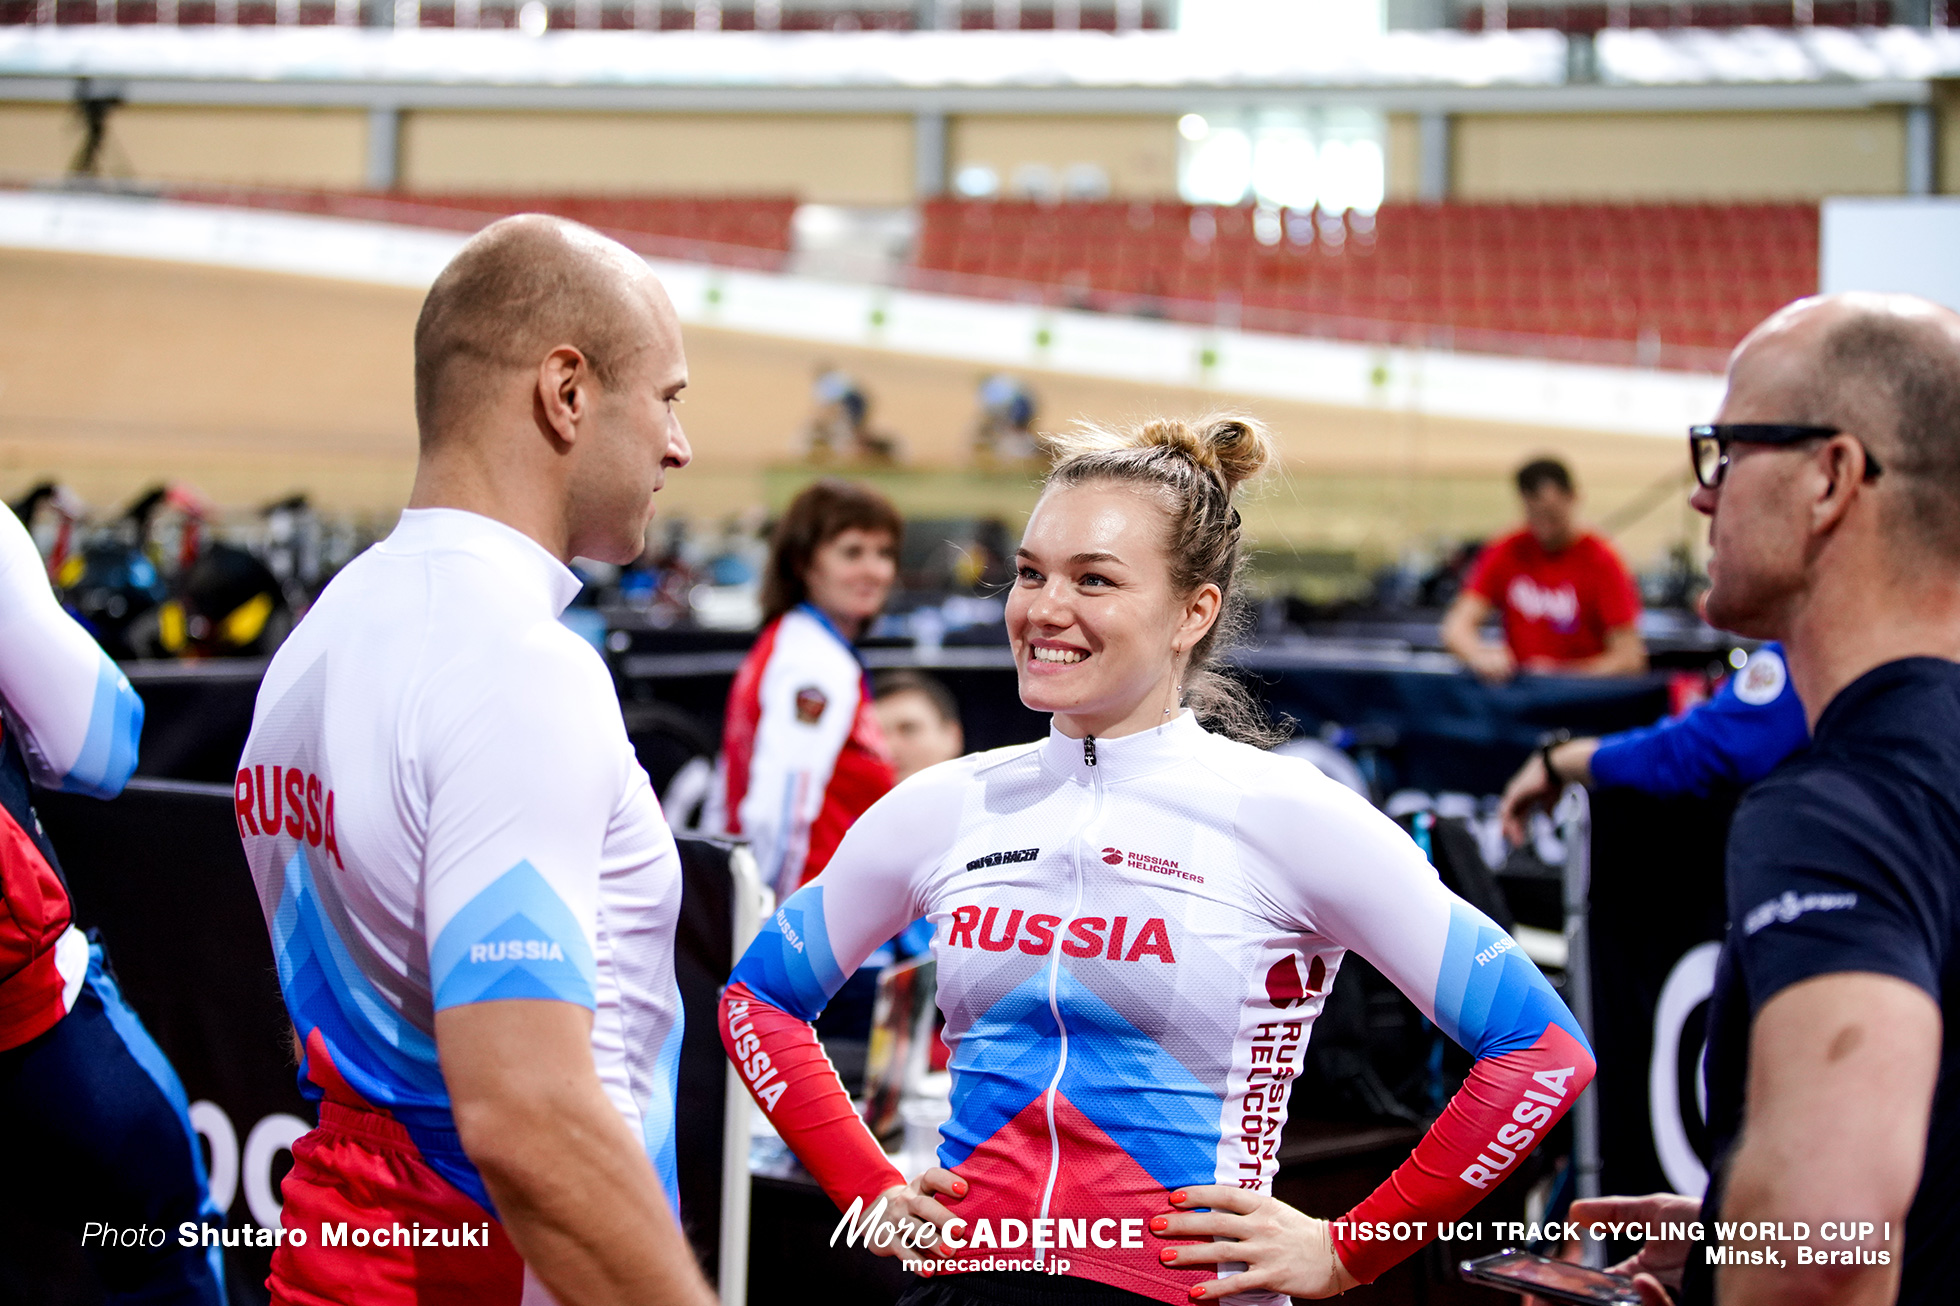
[(1847, 816), (1809, 791), (536, 654), (1596, 550), (1910, 700), (1497, 560)]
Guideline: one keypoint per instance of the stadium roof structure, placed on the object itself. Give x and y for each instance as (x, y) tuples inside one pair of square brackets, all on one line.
[(1032, 72)]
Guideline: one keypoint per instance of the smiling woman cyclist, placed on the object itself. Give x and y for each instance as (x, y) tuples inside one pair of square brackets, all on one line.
[(1137, 921)]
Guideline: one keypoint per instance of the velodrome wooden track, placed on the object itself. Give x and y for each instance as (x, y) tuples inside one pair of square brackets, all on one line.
[(116, 373)]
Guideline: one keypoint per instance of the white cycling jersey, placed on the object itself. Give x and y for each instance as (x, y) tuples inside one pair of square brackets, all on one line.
[(440, 807), (70, 713), (1133, 938)]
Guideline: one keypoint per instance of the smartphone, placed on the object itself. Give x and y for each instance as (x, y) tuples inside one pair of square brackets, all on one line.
[(1561, 1281)]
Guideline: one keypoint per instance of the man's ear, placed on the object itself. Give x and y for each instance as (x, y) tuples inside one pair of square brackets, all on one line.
[(1840, 467), (564, 380)]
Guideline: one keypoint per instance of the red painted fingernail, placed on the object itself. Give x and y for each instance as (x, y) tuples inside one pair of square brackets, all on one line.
[(959, 1186), (1177, 1198), (1160, 1222), (1197, 1294), (1168, 1255)]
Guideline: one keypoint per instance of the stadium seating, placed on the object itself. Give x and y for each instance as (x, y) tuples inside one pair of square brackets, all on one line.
[(1658, 278), (1663, 284)]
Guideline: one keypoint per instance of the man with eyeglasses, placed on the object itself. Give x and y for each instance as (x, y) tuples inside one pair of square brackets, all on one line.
[(1831, 481)]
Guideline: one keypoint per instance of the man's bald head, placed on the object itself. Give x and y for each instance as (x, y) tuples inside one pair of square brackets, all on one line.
[(517, 290), (1884, 368)]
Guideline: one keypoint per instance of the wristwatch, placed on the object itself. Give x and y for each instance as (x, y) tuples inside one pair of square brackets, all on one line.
[(1545, 747)]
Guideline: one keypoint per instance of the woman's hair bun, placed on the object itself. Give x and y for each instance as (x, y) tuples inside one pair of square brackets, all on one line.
[(1231, 447)]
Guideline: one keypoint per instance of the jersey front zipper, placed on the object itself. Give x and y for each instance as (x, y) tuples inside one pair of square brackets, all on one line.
[(1054, 977)]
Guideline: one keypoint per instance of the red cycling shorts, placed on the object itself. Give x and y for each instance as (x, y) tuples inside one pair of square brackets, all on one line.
[(382, 1228)]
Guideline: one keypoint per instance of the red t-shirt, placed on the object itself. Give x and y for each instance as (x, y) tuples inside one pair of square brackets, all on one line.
[(1556, 605)]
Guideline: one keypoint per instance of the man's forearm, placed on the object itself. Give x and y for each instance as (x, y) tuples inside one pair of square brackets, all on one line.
[(1758, 1195), (1456, 642), (1573, 759), (1842, 1068), (1625, 654), (1613, 662), (582, 1204), (571, 1183), (1461, 635)]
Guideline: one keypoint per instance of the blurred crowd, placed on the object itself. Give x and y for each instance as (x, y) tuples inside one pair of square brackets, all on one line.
[(169, 576)]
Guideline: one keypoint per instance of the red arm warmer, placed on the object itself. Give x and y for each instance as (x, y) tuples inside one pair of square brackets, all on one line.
[(794, 1083), (1506, 1105)]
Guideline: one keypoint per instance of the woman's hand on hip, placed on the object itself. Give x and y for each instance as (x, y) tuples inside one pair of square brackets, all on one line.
[(1282, 1250), (910, 1209)]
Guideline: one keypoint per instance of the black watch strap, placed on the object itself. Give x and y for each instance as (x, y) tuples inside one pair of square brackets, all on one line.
[(1545, 747)]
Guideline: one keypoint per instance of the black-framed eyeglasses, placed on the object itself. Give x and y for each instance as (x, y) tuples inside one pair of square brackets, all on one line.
[(1708, 446)]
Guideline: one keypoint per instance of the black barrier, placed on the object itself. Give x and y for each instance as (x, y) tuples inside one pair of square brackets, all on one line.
[(1657, 917), (161, 875), (703, 957), (195, 717)]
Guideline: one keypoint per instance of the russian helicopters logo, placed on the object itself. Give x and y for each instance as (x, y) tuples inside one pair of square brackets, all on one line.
[(1146, 862)]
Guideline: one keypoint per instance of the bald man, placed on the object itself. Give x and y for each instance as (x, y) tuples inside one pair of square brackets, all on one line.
[(469, 884), (1831, 480)]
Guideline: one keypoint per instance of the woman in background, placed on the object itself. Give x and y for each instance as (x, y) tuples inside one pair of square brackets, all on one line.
[(802, 756)]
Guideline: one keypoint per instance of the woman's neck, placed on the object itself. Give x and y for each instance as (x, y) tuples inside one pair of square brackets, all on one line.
[(851, 628), (1159, 707)]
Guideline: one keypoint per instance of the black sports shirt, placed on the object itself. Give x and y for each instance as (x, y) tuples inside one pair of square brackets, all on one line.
[(1847, 858)]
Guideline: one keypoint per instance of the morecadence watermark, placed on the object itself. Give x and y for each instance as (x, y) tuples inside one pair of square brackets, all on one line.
[(989, 1264), (959, 1234)]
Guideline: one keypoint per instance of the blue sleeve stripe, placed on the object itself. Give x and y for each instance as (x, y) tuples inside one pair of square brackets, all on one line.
[(115, 724), (1490, 998), (790, 964), (514, 939)]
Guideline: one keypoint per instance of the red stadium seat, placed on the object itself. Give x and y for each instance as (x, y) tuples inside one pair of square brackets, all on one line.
[(1696, 274)]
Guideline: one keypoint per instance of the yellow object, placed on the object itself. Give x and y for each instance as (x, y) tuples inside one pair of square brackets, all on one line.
[(170, 626), (247, 620), (70, 572)]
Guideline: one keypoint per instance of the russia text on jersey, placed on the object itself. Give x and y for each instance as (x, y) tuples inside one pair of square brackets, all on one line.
[(296, 803)]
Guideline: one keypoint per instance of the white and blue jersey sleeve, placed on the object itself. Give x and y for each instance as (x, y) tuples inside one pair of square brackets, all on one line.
[(1733, 740), (518, 810), (77, 717)]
